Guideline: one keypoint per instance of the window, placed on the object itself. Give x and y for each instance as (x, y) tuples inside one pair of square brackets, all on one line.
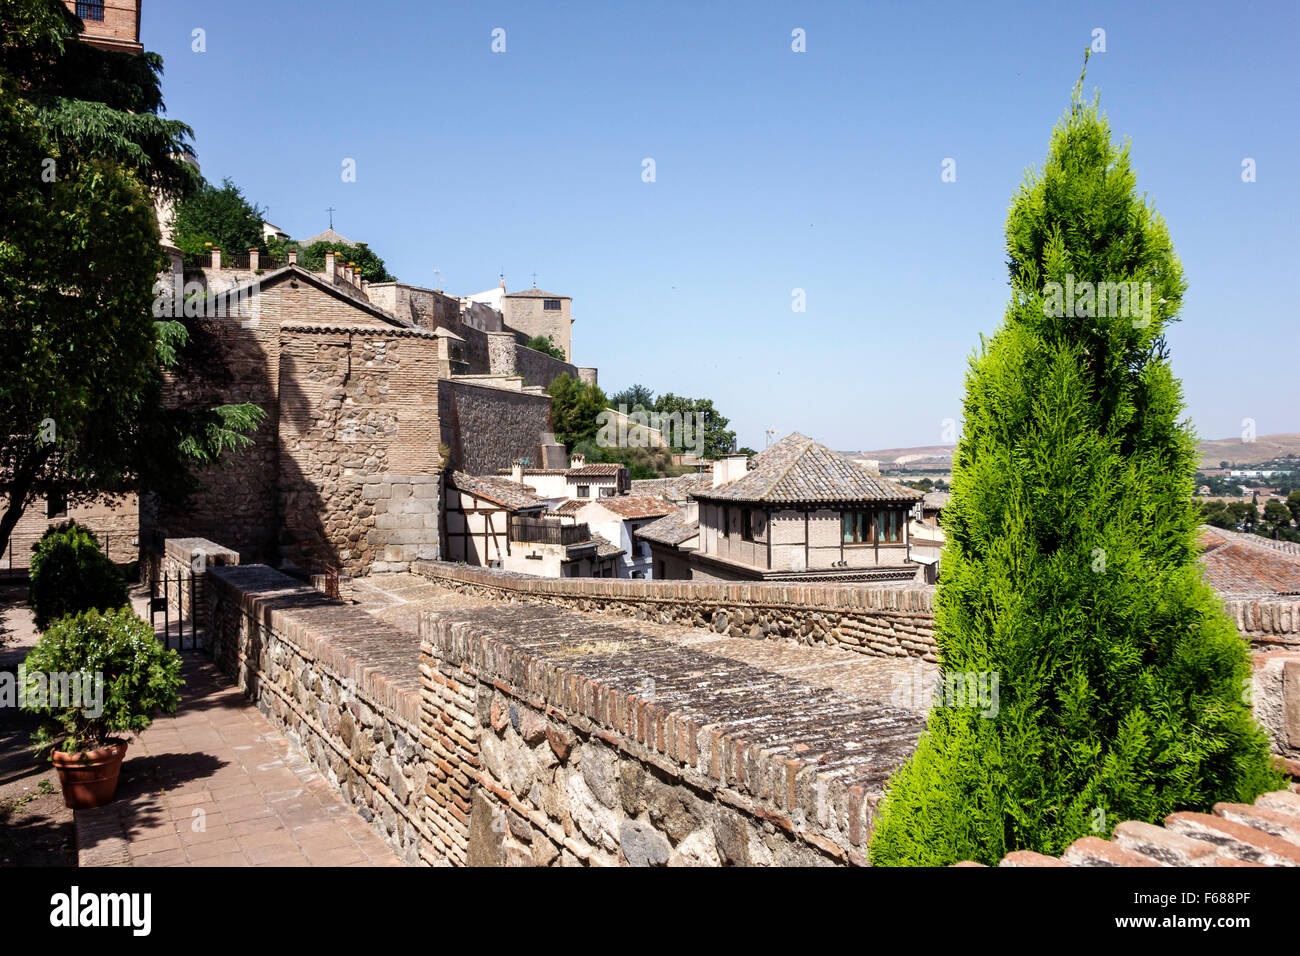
[(584, 491), (746, 525), (90, 9), (660, 572), (891, 529), (856, 527), (551, 305), (726, 521), (56, 505)]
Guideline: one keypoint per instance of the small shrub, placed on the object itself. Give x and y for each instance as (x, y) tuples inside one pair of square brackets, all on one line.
[(69, 574), (124, 674)]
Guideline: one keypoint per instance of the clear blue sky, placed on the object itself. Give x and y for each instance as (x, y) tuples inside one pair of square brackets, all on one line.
[(775, 170)]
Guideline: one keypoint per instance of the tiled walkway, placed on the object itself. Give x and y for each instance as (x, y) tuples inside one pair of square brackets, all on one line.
[(217, 785)]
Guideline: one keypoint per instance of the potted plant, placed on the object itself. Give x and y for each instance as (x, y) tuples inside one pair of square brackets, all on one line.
[(98, 677)]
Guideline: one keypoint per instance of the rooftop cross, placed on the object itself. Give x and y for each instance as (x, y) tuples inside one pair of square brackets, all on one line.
[(330, 210)]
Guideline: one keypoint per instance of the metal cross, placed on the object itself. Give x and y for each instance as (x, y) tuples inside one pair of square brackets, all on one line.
[(330, 210)]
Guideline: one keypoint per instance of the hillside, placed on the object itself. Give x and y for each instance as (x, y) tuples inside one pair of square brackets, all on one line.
[(1212, 451)]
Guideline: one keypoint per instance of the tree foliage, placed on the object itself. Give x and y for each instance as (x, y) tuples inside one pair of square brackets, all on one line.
[(81, 372), (544, 344), (1070, 567), (220, 217), (574, 407), (372, 267)]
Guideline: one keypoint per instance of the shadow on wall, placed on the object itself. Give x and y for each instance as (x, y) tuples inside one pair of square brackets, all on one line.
[(241, 502)]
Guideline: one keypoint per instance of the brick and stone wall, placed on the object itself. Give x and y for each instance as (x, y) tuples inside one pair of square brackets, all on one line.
[(886, 621), (360, 465), (506, 356), (553, 744), (341, 684)]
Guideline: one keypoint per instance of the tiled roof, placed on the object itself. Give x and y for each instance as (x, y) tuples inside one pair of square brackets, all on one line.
[(535, 471), (508, 494), (604, 548), (936, 500), (1246, 564), (329, 235), (635, 506), (535, 293), (670, 529), (674, 489), (798, 470), (597, 469), (571, 507)]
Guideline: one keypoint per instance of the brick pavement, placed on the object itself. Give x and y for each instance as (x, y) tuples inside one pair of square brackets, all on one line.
[(217, 785)]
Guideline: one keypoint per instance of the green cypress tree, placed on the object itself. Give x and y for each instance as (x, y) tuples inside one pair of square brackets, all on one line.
[(1070, 569)]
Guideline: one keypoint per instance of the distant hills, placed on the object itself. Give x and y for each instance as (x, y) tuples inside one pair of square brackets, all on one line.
[(1212, 451)]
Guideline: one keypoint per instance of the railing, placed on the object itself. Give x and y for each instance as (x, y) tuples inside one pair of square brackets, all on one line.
[(545, 531), (234, 262)]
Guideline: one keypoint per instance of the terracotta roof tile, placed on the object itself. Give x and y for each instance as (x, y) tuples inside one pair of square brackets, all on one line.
[(508, 494)]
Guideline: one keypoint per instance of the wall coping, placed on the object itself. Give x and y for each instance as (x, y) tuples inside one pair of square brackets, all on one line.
[(909, 598), (381, 661), (811, 760)]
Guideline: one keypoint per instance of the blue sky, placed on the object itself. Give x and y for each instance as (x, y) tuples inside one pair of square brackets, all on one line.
[(774, 171)]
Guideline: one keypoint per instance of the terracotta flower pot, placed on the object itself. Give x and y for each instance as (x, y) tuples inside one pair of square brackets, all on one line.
[(89, 777)]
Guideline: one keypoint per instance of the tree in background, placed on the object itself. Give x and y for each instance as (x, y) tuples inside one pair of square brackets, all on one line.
[(1277, 520), (219, 217), (633, 397), (543, 343), (574, 407), (81, 371), (371, 267), (1216, 514), (718, 440), (1070, 566), (95, 103)]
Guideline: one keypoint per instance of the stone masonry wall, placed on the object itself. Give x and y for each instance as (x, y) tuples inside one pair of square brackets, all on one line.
[(889, 622), (552, 744), (342, 685), (486, 428)]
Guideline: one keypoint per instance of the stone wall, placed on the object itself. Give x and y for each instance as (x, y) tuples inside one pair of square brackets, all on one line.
[(553, 744), (886, 621), (506, 356), (360, 466), (342, 685), (487, 428)]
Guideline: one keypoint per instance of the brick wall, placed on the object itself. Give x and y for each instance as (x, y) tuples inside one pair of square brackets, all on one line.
[(116, 524), (886, 621)]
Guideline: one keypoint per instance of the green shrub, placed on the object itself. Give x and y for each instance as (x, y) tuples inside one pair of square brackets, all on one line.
[(115, 651), (1070, 566), (69, 573)]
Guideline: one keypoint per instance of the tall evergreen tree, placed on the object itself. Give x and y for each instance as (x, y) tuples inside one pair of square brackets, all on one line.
[(1070, 569)]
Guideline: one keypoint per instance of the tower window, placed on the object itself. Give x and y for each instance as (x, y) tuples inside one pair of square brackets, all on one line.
[(551, 305), (90, 9)]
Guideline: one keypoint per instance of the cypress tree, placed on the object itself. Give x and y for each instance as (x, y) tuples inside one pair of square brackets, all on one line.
[(1070, 567)]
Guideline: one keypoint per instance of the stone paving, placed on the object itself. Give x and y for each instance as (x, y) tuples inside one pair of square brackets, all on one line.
[(905, 682), (216, 784)]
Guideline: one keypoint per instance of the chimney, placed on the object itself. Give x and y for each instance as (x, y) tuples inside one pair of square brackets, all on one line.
[(577, 461), (329, 265), (503, 283), (216, 258), (517, 470), (254, 259), (729, 468), (293, 257)]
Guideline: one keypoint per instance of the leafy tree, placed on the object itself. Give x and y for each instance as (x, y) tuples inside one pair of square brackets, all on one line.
[(1070, 566), (80, 374), (718, 440), (220, 217), (1216, 513), (574, 407), (543, 343), (91, 102), (633, 396), (1293, 505), (70, 574), (1244, 515), (1277, 517), (372, 267)]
